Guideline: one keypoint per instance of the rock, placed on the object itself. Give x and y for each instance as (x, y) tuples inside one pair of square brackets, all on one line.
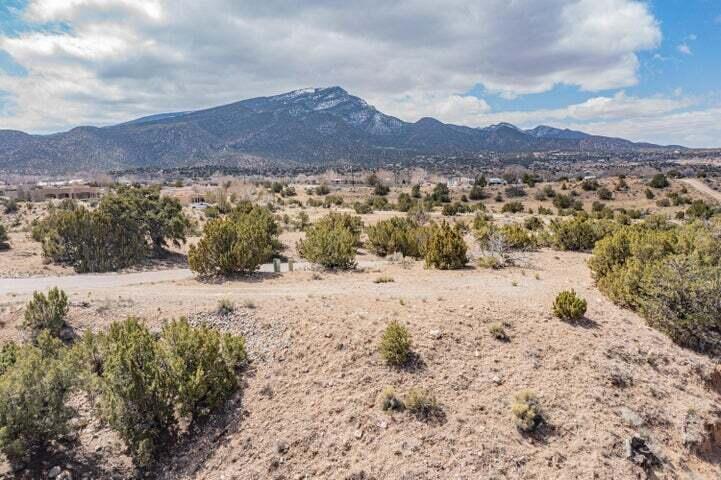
[(54, 472), (65, 475), (497, 380), (282, 447), (66, 334), (630, 417), (639, 452), (358, 434), (435, 334), (699, 435)]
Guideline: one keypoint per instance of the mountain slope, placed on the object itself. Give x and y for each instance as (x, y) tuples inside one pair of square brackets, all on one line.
[(305, 127)]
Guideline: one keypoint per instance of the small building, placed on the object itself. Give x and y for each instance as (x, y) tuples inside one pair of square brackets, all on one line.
[(73, 192), (496, 181)]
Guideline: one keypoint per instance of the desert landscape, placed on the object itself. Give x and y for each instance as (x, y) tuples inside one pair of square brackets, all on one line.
[(316, 240), (619, 399)]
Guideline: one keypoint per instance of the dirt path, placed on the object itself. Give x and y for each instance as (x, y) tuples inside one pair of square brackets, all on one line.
[(309, 405), (703, 188), (24, 286)]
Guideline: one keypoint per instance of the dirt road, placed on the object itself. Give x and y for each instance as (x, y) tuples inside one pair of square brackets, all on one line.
[(24, 286), (703, 188)]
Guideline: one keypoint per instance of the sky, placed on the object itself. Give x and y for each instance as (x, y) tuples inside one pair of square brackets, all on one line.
[(642, 70)]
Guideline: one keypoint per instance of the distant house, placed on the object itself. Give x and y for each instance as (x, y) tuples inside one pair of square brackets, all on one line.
[(458, 181), (496, 181)]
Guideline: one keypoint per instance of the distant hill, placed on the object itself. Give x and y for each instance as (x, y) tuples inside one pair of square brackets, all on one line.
[(315, 126)]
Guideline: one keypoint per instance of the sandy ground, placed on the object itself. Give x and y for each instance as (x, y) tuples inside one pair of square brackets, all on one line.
[(309, 407), (703, 188)]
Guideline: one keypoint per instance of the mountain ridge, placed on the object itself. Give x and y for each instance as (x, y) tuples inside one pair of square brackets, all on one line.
[(312, 126)]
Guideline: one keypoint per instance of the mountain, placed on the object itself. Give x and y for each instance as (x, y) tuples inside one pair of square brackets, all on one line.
[(315, 126)]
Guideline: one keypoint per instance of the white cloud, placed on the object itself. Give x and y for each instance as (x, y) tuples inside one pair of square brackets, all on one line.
[(695, 128), (616, 107), (664, 120), (124, 58), (684, 48)]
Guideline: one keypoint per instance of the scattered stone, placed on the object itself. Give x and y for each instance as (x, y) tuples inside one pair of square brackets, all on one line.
[(639, 452), (358, 434), (630, 417), (699, 435), (282, 447), (497, 380), (54, 472), (620, 379), (66, 334), (436, 334)]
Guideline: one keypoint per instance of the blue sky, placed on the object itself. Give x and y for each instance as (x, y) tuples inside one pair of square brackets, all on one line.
[(642, 70)]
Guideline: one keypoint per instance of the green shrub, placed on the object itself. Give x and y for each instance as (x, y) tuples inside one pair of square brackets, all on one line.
[(517, 237), (225, 306), (384, 279), (544, 211), (680, 297), (137, 391), (322, 189), (477, 193), (331, 242), (441, 194), (46, 313), (604, 194), (331, 200), (530, 179), (128, 224), (405, 203), (533, 223), (659, 181), (3, 238), (381, 189), (589, 185), (161, 217), (498, 332), (395, 345), (491, 261), (449, 210), (568, 306), (236, 244), (362, 208), (416, 191), (700, 209), (579, 233), (513, 207), (202, 366), (11, 206), (34, 390), (96, 241), (562, 202), (670, 274), (526, 410), (8, 356), (378, 203), (514, 191), (389, 400), (483, 228), (446, 248), (422, 403)]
